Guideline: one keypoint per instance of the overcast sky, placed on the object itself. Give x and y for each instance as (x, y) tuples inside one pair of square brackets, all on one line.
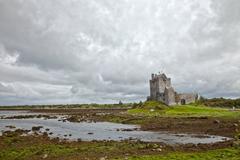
[(103, 51)]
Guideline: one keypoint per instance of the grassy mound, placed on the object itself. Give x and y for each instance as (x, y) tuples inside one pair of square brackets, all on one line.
[(152, 108)]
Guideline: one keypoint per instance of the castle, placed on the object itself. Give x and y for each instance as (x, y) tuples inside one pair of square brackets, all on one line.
[(162, 90)]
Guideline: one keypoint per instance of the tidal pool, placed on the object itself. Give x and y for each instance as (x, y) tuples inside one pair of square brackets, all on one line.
[(88, 131)]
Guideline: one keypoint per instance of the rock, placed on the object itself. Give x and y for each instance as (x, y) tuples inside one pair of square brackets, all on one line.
[(131, 138), (45, 156), (216, 121), (235, 124), (103, 158), (159, 149), (152, 110), (56, 139), (10, 126), (127, 129), (36, 128)]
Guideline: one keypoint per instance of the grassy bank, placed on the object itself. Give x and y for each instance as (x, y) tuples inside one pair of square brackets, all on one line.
[(158, 109), (13, 146), (220, 154)]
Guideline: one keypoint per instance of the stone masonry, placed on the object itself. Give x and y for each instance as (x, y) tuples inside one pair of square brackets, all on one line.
[(162, 90)]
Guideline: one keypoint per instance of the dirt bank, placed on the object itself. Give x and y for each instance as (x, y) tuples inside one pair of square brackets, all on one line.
[(214, 126)]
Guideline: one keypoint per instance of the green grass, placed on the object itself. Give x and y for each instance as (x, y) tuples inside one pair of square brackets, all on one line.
[(220, 154), (153, 105), (186, 111), (13, 146), (17, 147), (26, 152)]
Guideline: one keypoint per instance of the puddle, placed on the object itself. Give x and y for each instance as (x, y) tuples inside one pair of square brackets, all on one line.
[(105, 131)]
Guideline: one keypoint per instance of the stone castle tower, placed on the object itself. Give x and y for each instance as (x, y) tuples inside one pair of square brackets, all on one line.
[(162, 90)]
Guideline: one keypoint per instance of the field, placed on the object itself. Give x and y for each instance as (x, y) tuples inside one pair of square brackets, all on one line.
[(187, 111), (151, 116)]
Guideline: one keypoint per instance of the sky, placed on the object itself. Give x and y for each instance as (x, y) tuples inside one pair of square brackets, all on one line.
[(103, 51)]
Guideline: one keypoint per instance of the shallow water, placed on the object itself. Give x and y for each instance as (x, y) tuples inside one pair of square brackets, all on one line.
[(7, 113), (104, 131)]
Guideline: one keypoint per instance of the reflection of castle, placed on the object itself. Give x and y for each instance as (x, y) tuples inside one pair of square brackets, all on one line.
[(162, 90)]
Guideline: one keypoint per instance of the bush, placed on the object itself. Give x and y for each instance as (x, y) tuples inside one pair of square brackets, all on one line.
[(220, 102)]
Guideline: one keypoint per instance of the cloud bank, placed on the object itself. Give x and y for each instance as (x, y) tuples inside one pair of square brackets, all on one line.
[(103, 51)]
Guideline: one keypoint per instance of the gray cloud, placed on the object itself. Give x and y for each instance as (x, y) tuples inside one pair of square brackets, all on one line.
[(103, 51)]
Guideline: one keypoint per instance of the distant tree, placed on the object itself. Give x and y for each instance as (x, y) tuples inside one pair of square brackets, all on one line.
[(134, 105), (120, 102), (140, 103)]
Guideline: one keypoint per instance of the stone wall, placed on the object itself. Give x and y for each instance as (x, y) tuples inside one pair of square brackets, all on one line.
[(170, 96), (186, 98)]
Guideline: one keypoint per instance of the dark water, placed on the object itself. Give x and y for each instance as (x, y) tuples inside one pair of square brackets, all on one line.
[(104, 131)]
